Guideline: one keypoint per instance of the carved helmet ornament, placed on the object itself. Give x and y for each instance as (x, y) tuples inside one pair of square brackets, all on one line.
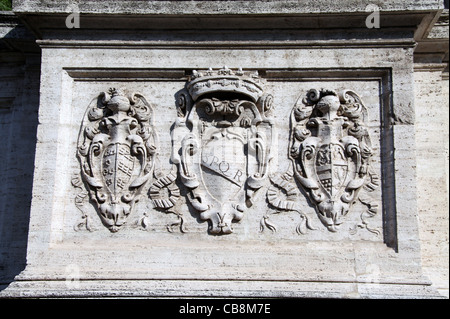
[(221, 143), (116, 149), (330, 149)]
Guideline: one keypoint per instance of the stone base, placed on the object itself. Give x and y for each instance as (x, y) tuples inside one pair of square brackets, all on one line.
[(216, 289), (253, 270)]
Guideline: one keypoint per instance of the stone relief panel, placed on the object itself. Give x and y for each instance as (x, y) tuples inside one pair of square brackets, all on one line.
[(222, 143), (220, 167), (116, 149)]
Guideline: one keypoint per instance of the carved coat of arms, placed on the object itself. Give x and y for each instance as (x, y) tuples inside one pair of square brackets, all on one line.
[(221, 143), (331, 149), (116, 149)]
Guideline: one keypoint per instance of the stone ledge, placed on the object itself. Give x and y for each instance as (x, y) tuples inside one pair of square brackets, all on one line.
[(217, 289), (223, 7)]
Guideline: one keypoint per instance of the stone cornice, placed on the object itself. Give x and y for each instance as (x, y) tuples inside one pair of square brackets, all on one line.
[(223, 7)]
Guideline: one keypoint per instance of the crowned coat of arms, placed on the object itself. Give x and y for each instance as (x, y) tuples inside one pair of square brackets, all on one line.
[(221, 143)]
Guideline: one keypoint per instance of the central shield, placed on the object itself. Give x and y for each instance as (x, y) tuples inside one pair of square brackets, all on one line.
[(332, 168), (117, 167), (224, 164)]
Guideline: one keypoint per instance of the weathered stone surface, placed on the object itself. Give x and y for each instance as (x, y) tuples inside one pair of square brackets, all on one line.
[(432, 164), (19, 103), (196, 177), (223, 7)]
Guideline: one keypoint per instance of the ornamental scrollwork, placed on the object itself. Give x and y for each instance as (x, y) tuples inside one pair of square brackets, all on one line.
[(116, 148), (221, 143), (331, 150)]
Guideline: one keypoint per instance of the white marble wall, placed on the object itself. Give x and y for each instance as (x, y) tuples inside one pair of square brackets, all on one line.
[(431, 92)]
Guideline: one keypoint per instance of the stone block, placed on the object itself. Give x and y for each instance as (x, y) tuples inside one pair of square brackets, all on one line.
[(184, 162)]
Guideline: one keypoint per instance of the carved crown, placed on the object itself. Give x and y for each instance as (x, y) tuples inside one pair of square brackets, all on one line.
[(225, 80)]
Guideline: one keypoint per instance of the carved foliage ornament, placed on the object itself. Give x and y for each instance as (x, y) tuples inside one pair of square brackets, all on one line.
[(330, 149), (221, 143), (116, 150)]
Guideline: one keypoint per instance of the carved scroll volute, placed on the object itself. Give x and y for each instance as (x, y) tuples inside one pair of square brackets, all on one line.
[(221, 143), (116, 149), (330, 149)]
